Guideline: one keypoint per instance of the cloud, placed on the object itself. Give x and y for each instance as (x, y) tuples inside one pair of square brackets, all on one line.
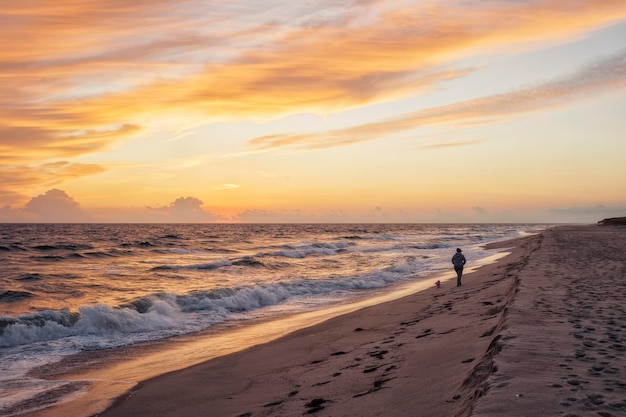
[(16, 179), (181, 210), (452, 144), (389, 54), (604, 76), (275, 216), (78, 76), (586, 214), (55, 206), (8, 197), (597, 210)]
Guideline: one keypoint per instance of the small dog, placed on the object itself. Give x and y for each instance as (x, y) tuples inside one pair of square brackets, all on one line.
[(438, 284)]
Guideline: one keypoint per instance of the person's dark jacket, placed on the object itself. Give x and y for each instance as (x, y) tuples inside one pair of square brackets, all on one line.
[(458, 260)]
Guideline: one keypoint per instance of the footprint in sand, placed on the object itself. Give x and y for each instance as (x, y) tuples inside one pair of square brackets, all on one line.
[(425, 333), (370, 369), (489, 332), (315, 405), (273, 403), (378, 354), (378, 384)]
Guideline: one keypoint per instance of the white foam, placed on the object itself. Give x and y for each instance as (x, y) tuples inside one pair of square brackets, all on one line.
[(302, 251)]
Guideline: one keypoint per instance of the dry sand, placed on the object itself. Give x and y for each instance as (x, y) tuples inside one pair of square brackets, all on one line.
[(539, 333), (562, 351)]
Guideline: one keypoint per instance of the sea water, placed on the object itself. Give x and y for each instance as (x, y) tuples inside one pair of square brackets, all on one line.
[(72, 288)]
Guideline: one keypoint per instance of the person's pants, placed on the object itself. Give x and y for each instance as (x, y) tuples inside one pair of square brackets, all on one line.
[(459, 273)]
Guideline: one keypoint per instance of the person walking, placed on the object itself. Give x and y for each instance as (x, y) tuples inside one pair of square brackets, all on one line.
[(458, 260)]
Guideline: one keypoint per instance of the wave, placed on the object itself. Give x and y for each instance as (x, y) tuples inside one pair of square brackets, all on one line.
[(10, 296), (207, 266), (247, 261), (171, 236), (13, 247), (220, 250), (252, 297), (99, 254), (142, 244), (431, 246), (45, 247), (168, 314), (30, 277), (69, 246), (380, 236), (92, 321), (314, 249), (393, 254), (48, 258)]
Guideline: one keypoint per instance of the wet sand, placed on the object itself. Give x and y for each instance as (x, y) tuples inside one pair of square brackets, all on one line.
[(540, 332)]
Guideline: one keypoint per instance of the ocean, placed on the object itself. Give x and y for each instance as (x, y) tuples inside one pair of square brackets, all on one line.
[(68, 289)]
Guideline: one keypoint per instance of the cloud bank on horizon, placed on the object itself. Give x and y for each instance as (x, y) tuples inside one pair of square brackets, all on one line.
[(56, 206), (129, 105)]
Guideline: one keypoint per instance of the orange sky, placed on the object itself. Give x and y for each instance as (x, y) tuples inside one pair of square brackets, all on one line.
[(374, 110)]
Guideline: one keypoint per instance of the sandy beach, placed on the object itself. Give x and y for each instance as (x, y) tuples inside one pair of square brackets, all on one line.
[(538, 333)]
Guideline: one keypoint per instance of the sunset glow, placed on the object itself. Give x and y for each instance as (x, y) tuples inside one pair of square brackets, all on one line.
[(269, 111)]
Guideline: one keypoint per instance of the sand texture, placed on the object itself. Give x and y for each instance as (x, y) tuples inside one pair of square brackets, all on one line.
[(539, 333), (562, 351)]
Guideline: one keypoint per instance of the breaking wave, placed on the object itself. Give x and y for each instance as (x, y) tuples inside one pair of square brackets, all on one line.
[(166, 314)]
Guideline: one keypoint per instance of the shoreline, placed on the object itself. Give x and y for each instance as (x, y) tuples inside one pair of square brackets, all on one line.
[(335, 364), (94, 379), (98, 378)]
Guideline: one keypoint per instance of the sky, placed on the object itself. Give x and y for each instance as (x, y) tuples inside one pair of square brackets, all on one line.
[(461, 111)]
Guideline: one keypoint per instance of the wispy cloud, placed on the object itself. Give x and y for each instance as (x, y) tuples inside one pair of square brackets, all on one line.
[(78, 77), (452, 144), (75, 76), (20, 178), (227, 187), (605, 75), (179, 136)]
